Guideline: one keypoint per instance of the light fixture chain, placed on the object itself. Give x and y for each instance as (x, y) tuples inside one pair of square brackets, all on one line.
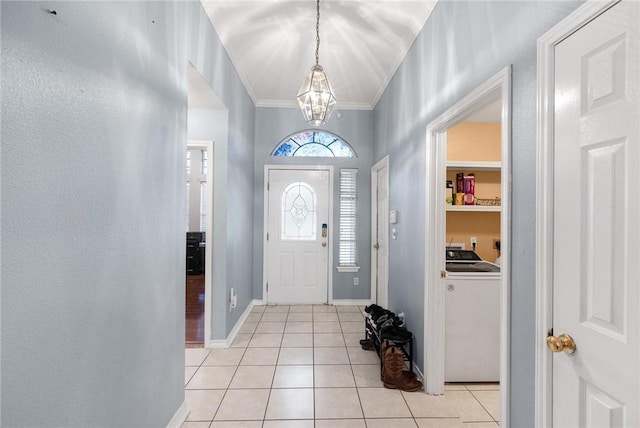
[(317, 32)]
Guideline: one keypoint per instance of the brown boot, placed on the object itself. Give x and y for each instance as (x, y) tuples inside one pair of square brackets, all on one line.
[(394, 375)]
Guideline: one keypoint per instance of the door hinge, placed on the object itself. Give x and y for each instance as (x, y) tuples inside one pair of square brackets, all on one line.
[(268, 185), (443, 274), (267, 236), (267, 287)]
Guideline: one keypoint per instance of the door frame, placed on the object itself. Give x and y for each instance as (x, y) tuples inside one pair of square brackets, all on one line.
[(544, 199), (265, 217), (384, 162), (498, 85), (208, 237)]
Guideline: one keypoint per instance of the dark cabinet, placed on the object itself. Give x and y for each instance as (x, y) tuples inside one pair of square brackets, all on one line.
[(195, 253)]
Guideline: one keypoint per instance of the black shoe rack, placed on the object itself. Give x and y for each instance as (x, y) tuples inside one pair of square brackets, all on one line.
[(372, 334)]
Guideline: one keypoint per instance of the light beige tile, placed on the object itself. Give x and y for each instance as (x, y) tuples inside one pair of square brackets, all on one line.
[(293, 377), (328, 339), (483, 386), (236, 424), (383, 403), (260, 357), (203, 403), (295, 356), (241, 340), (276, 308), (258, 309), (299, 327), (248, 327), (300, 316), (352, 327), (440, 423), (480, 424), (195, 356), (308, 423), (188, 373), (297, 340), (429, 406), (490, 400), (348, 308), (357, 355), (337, 403), (270, 327), (351, 317), (195, 424), (300, 308), (290, 404), (340, 423), (391, 423), (243, 404), (254, 317), (336, 376), (327, 327), (454, 387), (367, 375), (335, 355), (467, 407), (211, 377), (323, 309), (265, 340), (224, 357), (353, 339), (249, 377), (274, 317), (325, 317)]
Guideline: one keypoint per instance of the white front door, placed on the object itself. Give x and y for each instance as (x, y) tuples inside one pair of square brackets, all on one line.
[(596, 257), (298, 236), (379, 239)]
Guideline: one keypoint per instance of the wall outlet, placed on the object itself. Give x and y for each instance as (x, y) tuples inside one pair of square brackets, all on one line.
[(356, 281), (474, 241)]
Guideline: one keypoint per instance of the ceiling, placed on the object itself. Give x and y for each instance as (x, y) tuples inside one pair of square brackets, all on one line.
[(272, 45)]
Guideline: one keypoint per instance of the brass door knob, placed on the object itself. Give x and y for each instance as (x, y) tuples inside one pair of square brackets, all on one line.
[(562, 343)]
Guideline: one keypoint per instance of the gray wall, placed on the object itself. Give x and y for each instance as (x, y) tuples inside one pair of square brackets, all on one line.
[(462, 45), (94, 130), (355, 127)]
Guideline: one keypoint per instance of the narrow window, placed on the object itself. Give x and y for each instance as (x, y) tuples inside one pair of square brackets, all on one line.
[(348, 260), (203, 206)]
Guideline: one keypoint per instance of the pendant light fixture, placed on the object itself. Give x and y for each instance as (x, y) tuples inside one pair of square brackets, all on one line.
[(315, 97)]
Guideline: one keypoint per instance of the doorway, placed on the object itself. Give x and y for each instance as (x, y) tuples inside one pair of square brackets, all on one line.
[(298, 250), (588, 218), (495, 91), (380, 232)]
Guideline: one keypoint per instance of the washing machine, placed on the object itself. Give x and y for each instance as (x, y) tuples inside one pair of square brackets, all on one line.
[(472, 318)]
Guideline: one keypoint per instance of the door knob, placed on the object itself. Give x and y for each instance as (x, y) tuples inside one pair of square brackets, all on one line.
[(562, 343), (376, 246)]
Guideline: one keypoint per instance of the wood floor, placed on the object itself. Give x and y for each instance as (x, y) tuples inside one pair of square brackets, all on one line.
[(194, 322)]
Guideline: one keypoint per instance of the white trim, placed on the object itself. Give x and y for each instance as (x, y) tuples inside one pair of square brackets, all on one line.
[(498, 86), (383, 163), (544, 199), (208, 237), (226, 343), (418, 372), (351, 302), (348, 269), (179, 416), (265, 223)]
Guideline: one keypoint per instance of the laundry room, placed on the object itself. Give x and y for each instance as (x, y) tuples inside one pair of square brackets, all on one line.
[(473, 221)]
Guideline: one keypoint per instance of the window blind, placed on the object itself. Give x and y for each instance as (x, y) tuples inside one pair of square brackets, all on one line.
[(348, 218), (203, 206)]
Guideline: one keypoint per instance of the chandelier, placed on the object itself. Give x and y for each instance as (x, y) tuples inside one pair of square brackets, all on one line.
[(315, 98)]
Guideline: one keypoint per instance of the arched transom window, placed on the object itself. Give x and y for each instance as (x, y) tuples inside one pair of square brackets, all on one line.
[(314, 143)]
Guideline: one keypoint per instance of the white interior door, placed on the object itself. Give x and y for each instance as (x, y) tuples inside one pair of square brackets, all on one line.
[(596, 222), (380, 240), (298, 236)]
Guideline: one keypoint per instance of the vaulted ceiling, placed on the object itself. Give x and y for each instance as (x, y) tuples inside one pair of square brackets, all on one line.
[(362, 43)]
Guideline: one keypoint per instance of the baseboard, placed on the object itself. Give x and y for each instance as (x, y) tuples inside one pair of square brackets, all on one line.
[(418, 372), (352, 302), (179, 417), (226, 343)]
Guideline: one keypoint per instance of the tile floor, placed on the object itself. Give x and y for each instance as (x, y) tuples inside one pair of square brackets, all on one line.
[(302, 366)]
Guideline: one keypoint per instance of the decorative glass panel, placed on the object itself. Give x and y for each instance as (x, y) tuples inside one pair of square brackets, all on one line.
[(298, 215), (311, 143)]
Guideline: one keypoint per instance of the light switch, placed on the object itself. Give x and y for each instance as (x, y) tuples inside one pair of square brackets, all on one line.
[(394, 234)]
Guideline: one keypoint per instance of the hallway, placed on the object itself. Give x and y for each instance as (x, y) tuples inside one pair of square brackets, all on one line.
[(302, 366)]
